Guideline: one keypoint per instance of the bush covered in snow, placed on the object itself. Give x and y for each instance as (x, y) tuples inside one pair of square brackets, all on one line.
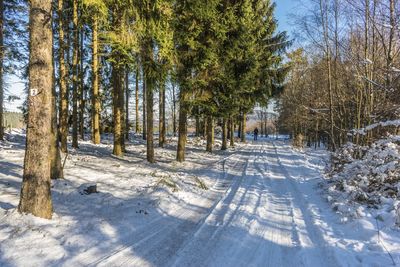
[(366, 176)]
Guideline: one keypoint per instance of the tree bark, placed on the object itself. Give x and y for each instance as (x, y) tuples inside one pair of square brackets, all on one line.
[(117, 110), (54, 149), (95, 84), (63, 113), (127, 103), (150, 120), (182, 131), (325, 25), (232, 138), (81, 89), (137, 128), (35, 192), (224, 134), (75, 75), (162, 129), (144, 130), (173, 110), (210, 128), (243, 124)]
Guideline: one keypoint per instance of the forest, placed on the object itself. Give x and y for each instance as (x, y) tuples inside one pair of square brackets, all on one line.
[(218, 59)]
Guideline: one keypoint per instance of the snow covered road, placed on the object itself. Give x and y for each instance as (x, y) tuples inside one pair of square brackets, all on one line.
[(257, 222), (263, 208)]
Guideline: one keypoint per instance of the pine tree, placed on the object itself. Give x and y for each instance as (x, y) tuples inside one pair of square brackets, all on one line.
[(35, 191), (96, 12), (75, 85), (198, 35), (154, 17), (63, 107), (95, 82)]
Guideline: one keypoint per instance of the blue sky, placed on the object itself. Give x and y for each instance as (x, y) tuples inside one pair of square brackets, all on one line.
[(282, 13)]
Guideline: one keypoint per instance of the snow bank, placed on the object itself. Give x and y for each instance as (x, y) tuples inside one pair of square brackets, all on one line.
[(365, 181)]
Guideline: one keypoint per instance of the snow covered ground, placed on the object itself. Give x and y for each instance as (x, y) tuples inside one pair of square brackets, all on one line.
[(260, 204)]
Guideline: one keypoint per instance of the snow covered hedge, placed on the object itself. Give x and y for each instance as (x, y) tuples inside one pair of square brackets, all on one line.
[(370, 180)]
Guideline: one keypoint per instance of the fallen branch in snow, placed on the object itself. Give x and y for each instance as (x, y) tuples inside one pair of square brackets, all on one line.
[(383, 245)]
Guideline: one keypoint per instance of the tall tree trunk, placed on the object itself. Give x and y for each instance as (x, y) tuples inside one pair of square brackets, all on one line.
[(117, 110), (81, 89), (232, 136), (243, 136), (197, 125), (150, 123), (144, 130), (210, 128), (127, 103), (150, 119), (75, 75), (325, 25), (35, 192), (162, 115), (137, 130), (228, 128), (173, 110), (224, 134), (1, 68), (54, 153), (182, 131), (63, 113), (95, 84), (391, 43), (240, 127), (121, 104)]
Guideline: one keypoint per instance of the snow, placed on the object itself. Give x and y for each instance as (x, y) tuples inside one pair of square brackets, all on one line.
[(364, 131), (260, 204)]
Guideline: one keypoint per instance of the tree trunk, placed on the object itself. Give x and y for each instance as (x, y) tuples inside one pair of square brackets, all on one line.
[(63, 113), (224, 134), (54, 149), (117, 109), (144, 130), (210, 128), (162, 129), (150, 121), (35, 191), (197, 125), (55, 156), (325, 25), (173, 110), (127, 103), (182, 131), (137, 130), (228, 128), (95, 85), (243, 136), (240, 128), (81, 89), (75, 75), (232, 138)]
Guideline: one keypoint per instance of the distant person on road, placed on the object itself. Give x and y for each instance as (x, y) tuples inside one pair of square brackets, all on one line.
[(255, 134)]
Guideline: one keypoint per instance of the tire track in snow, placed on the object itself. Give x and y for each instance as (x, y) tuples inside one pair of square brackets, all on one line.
[(313, 232)]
